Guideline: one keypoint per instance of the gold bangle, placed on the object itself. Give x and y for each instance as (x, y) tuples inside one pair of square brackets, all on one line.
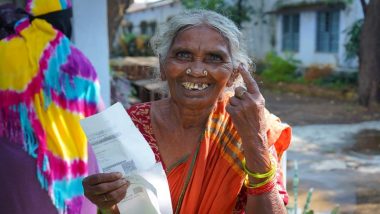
[(261, 175)]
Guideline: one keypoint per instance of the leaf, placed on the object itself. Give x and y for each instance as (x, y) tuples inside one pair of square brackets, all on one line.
[(335, 210), (308, 200), (309, 212), (238, 11)]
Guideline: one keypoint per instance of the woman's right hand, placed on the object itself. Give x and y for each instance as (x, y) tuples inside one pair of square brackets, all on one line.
[(105, 189)]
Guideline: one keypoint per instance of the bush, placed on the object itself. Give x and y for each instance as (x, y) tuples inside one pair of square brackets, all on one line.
[(339, 80), (315, 72), (133, 45), (353, 39), (259, 66), (279, 69)]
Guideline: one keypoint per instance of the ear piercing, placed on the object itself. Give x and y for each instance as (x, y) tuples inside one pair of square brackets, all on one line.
[(205, 73), (188, 71)]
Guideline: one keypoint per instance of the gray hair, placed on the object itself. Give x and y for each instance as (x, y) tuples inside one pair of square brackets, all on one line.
[(166, 32)]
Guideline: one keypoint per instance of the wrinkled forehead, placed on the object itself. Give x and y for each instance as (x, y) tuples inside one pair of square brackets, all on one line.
[(199, 26)]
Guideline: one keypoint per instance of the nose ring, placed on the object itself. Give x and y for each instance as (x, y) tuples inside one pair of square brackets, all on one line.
[(188, 71)]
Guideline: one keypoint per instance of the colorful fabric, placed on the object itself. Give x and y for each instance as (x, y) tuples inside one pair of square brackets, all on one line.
[(39, 7), (216, 184), (21, 192), (46, 86)]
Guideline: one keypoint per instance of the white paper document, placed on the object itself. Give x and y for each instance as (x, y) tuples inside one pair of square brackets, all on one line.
[(120, 147)]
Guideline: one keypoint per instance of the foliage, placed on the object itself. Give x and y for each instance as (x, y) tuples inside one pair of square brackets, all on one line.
[(339, 80), (314, 72), (215, 5), (280, 69), (237, 10), (259, 66), (346, 2), (133, 45), (276, 69), (353, 42), (289, 4), (306, 208)]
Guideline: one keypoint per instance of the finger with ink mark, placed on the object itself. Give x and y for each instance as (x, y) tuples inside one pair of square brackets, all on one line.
[(251, 84)]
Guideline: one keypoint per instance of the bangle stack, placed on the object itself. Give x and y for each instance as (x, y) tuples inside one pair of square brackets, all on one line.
[(267, 185)]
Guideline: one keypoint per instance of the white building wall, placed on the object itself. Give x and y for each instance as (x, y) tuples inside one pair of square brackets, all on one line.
[(90, 35), (347, 18), (264, 32), (159, 15), (259, 33), (307, 49), (308, 31)]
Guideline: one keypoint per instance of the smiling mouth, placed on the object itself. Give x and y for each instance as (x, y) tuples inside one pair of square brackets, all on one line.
[(195, 86)]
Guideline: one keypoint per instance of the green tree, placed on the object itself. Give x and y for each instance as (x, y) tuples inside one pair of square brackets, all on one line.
[(352, 44), (237, 10)]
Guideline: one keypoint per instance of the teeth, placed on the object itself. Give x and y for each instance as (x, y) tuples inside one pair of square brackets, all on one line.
[(194, 86)]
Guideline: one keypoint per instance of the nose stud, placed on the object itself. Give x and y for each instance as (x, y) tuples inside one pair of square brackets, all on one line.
[(188, 71)]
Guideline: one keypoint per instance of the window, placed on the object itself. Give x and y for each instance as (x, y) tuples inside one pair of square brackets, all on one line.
[(328, 31), (144, 27), (290, 32), (130, 28), (153, 26)]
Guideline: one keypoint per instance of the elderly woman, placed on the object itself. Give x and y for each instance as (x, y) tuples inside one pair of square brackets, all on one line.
[(220, 152)]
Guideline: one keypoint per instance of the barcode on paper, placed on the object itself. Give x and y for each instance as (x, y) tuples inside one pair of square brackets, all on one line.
[(128, 166)]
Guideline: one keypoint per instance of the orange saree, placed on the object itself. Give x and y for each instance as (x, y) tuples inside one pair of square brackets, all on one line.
[(211, 179)]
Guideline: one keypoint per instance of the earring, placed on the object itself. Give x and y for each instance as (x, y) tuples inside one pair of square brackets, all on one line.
[(205, 73), (188, 71)]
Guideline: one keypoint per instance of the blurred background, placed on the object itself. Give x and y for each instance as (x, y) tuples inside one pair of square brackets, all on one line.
[(317, 63)]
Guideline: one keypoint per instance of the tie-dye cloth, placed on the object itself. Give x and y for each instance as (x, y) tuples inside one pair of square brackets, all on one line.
[(46, 86), (40, 7)]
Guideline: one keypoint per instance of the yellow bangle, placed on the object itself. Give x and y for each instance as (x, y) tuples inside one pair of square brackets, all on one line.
[(261, 175)]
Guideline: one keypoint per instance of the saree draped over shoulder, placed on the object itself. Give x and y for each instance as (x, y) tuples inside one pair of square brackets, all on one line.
[(216, 178)]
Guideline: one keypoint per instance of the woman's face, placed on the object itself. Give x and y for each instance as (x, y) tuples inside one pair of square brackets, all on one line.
[(197, 48)]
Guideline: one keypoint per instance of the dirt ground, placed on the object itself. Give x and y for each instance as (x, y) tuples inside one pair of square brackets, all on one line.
[(299, 110), (296, 109)]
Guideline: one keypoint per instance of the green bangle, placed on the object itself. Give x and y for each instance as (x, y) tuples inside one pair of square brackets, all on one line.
[(248, 185), (261, 175), (103, 211)]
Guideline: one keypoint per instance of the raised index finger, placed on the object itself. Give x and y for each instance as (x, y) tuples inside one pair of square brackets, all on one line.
[(251, 84), (102, 178)]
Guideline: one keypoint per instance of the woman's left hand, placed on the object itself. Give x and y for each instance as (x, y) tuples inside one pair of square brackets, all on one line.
[(247, 110)]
